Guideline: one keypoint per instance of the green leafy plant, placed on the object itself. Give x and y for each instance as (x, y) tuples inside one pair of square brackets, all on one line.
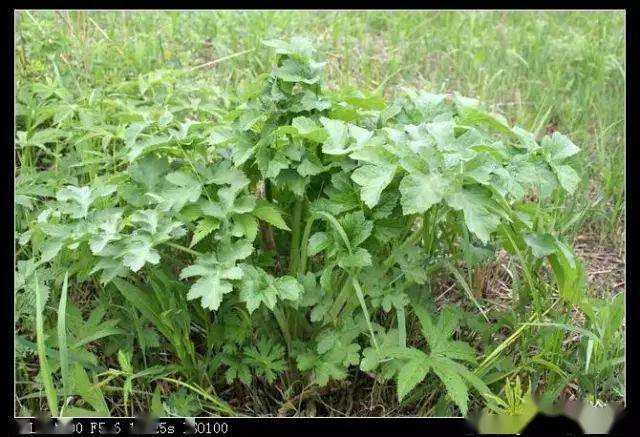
[(293, 233), (445, 357)]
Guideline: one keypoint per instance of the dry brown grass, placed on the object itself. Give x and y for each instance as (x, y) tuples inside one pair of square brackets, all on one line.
[(604, 262)]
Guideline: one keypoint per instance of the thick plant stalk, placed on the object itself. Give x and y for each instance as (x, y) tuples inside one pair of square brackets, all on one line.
[(266, 231), (295, 236), (281, 318), (402, 327), (340, 300), (304, 246), (269, 242)]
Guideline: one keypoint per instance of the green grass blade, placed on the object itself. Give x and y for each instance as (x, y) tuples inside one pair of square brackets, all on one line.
[(220, 405), (88, 391), (513, 337), (363, 304), (45, 373), (466, 288), (402, 327), (62, 337), (336, 225)]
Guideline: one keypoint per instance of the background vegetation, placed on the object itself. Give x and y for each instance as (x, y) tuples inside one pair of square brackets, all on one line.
[(81, 75)]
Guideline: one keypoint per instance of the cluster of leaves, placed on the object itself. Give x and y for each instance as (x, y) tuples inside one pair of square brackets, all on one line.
[(379, 197)]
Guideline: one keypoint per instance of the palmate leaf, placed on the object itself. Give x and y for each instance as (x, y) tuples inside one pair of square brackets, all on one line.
[(443, 358), (182, 188), (372, 357), (372, 180), (146, 220), (442, 132), (298, 46), (323, 370), (479, 209), (533, 172), (459, 350), (419, 192), (117, 250), (107, 222), (310, 101), (216, 271), (359, 136), (454, 384), (213, 282), (335, 351), (293, 71), (309, 129), (429, 330), (338, 136), (267, 359), (139, 251), (567, 177), (75, 201), (341, 194), (238, 369), (110, 268), (258, 287), (290, 180), (411, 374), (149, 170), (437, 333), (558, 147), (245, 225), (412, 261), (358, 259), (310, 166), (541, 244), (224, 173), (81, 196), (50, 249), (356, 227), (343, 137)]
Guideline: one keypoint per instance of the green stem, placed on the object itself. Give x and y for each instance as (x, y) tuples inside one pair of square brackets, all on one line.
[(340, 300), (363, 304), (295, 236), (284, 326), (302, 262), (402, 327), (183, 249), (466, 288), (429, 226), (467, 253), (62, 337), (527, 273), (219, 404), (502, 346)]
